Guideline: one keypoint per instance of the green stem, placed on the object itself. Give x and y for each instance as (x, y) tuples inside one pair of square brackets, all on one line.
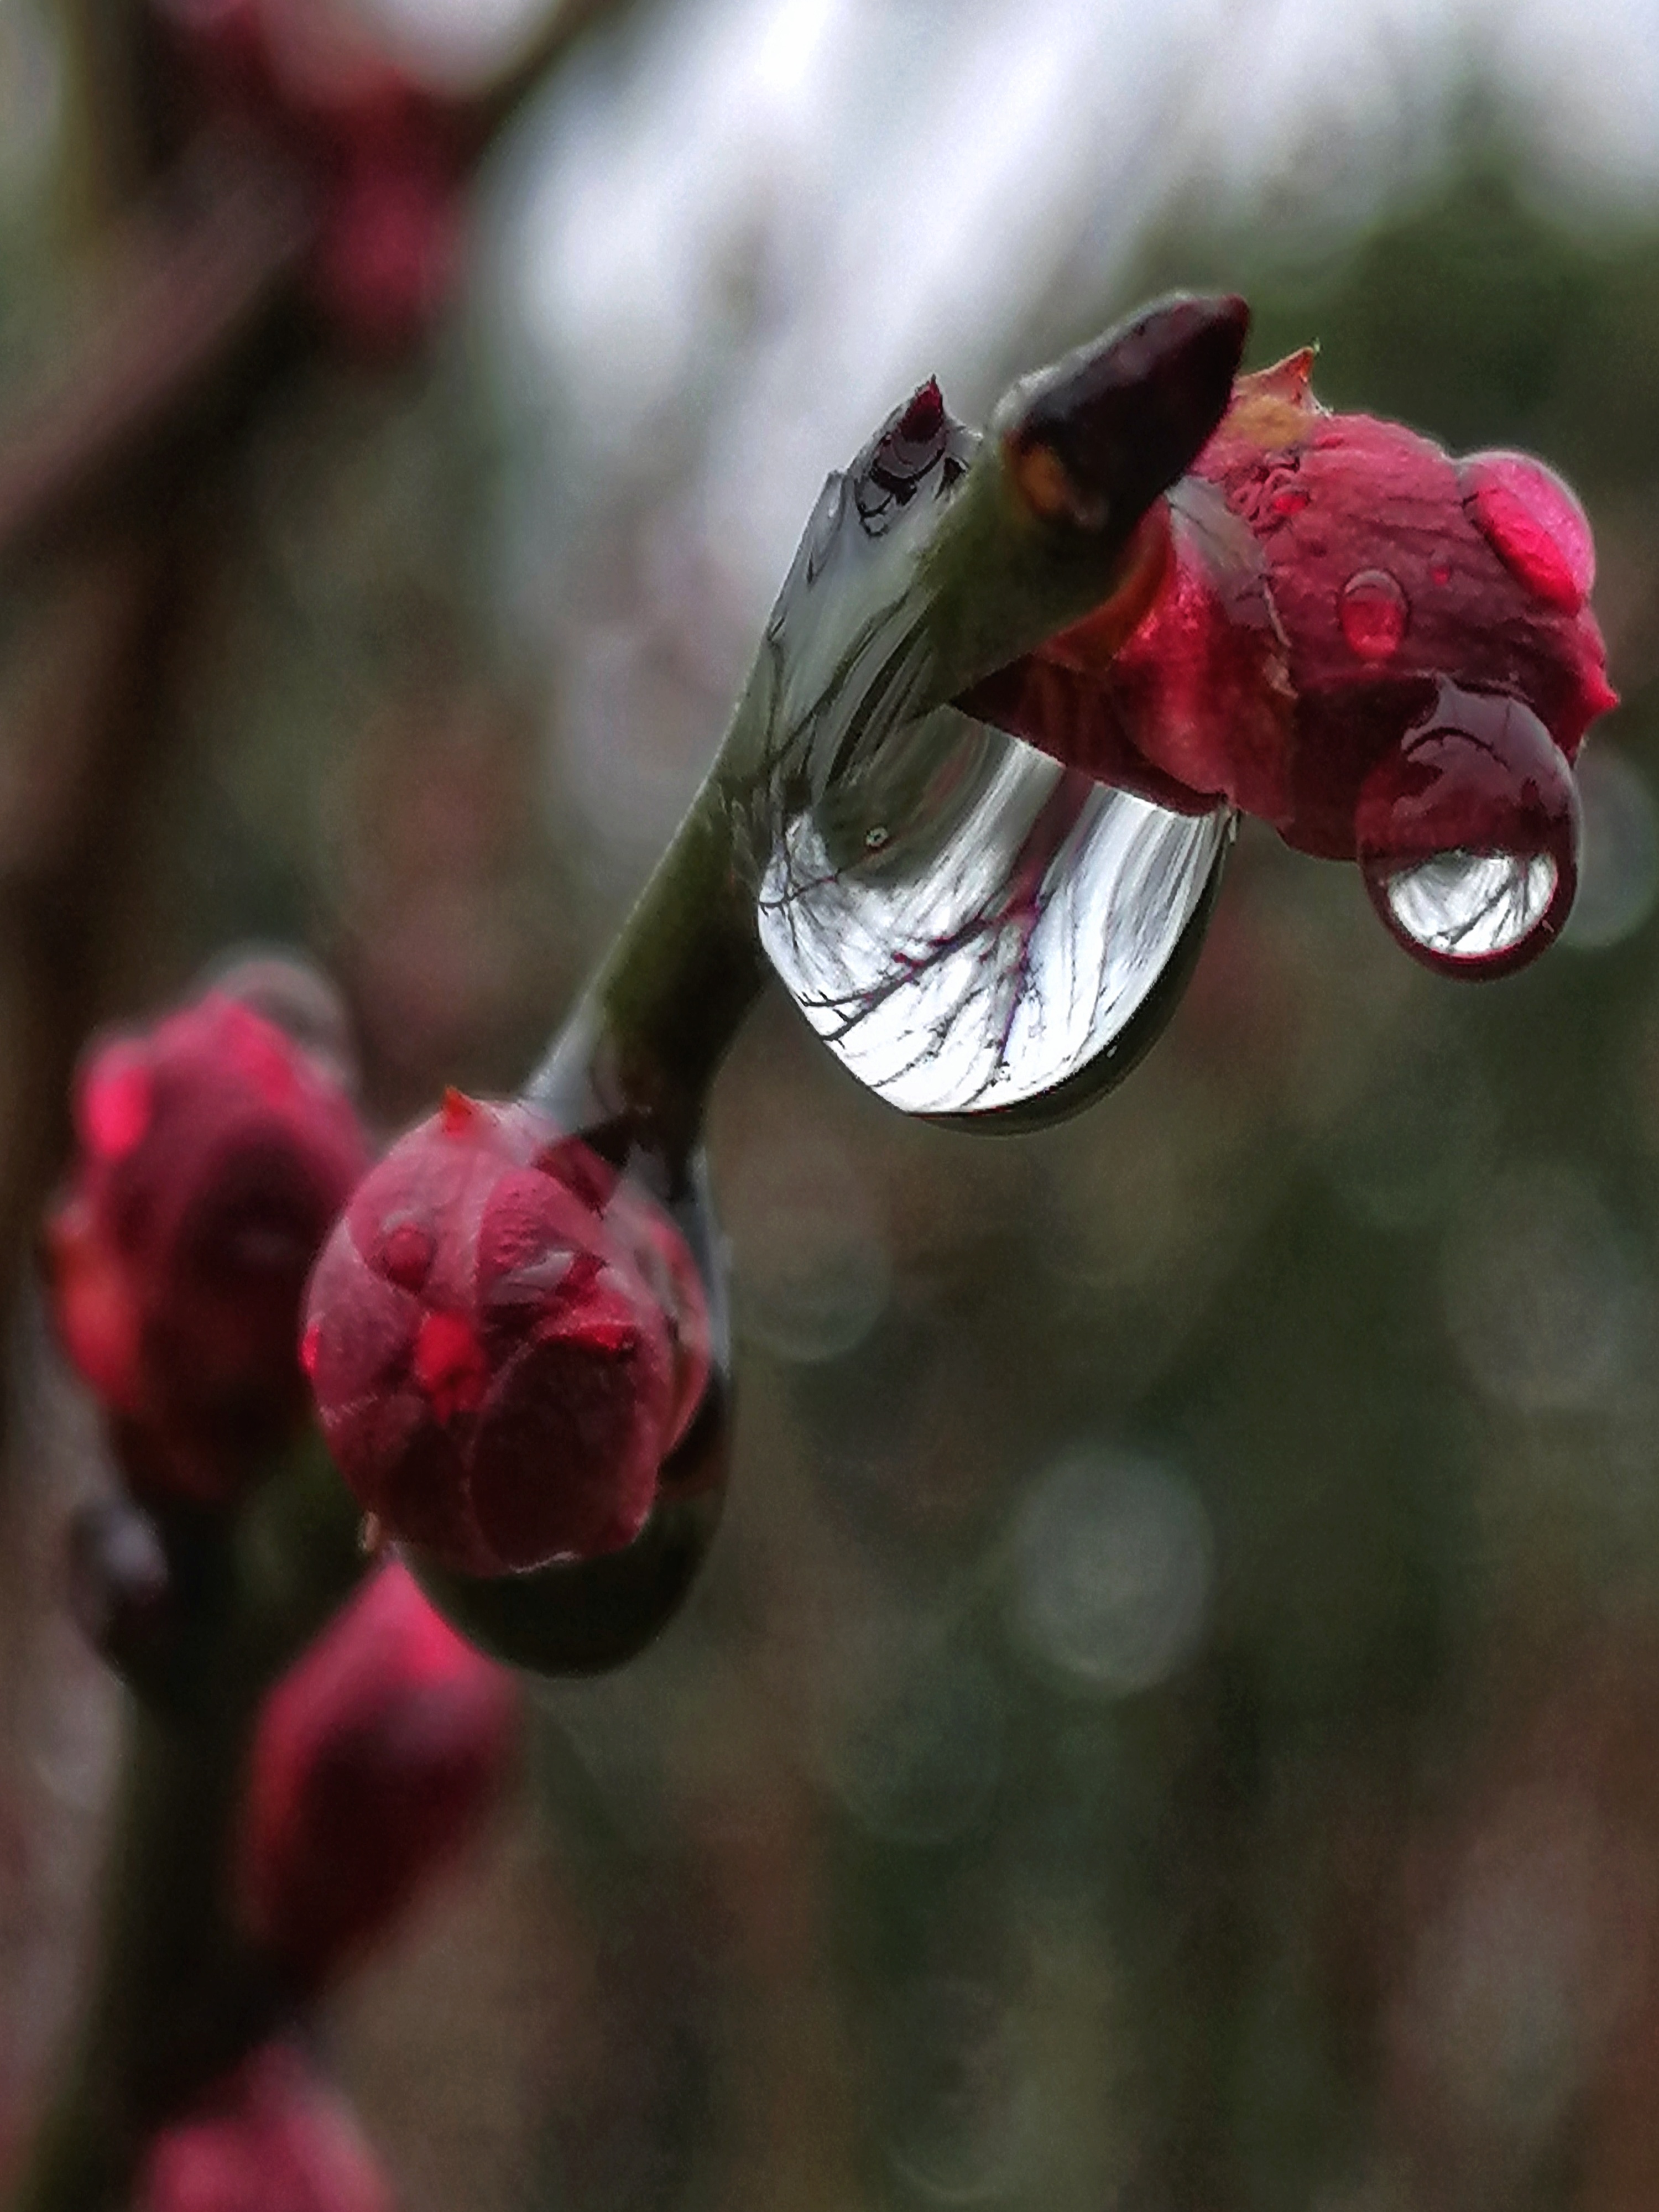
[(179, 1996), (633, 1066)]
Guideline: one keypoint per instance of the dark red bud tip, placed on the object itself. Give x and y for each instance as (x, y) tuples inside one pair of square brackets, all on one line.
[(272, 2133), (505, 1342), (375, 1761), (1094, 439), (924, 418)]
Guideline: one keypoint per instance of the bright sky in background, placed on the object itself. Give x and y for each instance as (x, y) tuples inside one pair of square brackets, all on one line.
[(781, 215), (738, 231)]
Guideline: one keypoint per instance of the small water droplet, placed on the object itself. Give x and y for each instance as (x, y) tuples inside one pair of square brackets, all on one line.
[(875, 837), (406, 1254), (535, 1281), (1373, 613), (1440, 570), (310, 1346), (1291, 501), (1533, 522)]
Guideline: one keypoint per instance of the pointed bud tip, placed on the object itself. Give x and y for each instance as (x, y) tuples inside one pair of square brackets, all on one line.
[(1097, 437)]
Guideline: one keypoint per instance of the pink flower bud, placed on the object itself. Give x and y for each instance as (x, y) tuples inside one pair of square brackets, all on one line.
[(1339, 592), (375, 1761), (214, 1153), (505, 1341), (272, 2135)]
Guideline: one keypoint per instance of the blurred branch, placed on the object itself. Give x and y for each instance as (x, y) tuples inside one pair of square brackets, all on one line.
[(179, 1995), (189, 284)]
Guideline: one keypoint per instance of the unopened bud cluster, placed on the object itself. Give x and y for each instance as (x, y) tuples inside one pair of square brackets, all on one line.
[(1387, 654)]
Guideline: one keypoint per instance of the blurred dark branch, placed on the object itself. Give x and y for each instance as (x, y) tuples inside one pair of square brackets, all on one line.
[(113, 469), (498, 103), (179, 1995), (189, 285)]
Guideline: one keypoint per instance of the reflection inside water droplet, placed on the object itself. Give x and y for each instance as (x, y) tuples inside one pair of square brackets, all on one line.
[(1471, 906), (1373, 613), (1006, 931), (1467, 835)]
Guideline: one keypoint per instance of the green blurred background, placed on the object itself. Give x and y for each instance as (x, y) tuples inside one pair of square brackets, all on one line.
[(1172, 1721)]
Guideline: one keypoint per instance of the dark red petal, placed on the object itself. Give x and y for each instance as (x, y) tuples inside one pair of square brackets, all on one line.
[(565, 1457), (1534, 521)]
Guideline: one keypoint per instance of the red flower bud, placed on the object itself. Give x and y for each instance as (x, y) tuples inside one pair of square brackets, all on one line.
[(505, 1341), (1343, 604), (214, 1153), (273, 2137), (375, 1761), (383, 152)]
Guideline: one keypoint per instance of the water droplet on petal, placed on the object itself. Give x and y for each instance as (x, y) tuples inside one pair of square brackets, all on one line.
[(310, 1346), (1373, 612), (406, 1254), (1534, 521), (534, 1282), (1467, 835), (1440, 570), (1290, 501)]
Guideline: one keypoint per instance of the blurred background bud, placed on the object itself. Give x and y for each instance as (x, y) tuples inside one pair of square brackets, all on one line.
[(273, 2134), (379, 1756), (213, 1151)]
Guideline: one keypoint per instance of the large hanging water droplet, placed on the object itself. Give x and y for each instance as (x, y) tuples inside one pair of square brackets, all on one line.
[(1532, 521), (1467, 835), (1019, 936), (1373, 612)]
